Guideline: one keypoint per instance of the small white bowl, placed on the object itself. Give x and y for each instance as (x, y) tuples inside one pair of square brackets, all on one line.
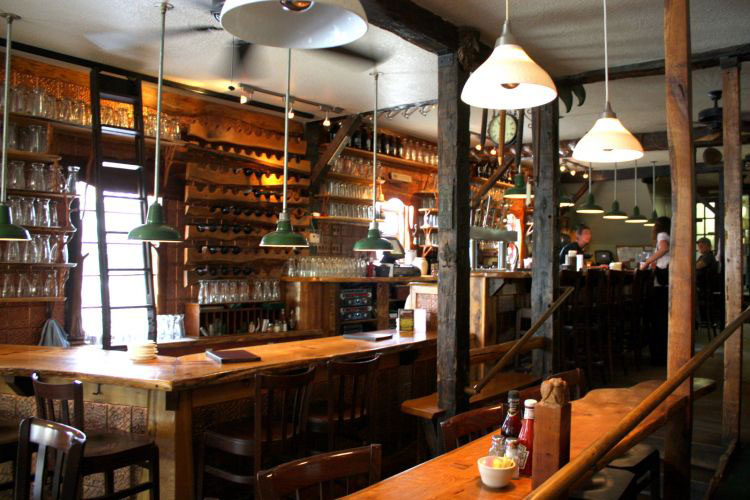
[(495, 477)]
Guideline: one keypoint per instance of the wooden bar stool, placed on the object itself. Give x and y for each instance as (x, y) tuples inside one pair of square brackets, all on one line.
[(324, 476), (607, 484), (8, 448), (274, 435), (595, 344), (105, 452), (644, 462), (470, 425), (41, 436), (348, 410)]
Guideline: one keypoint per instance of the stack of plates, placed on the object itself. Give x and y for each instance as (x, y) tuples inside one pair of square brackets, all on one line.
[(142, 352)]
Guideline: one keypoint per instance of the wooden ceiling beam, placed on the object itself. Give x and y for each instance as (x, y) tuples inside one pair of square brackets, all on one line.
[(702, 60)]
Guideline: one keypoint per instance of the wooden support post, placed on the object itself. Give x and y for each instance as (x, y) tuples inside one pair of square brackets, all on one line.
[(551, 431), (545, 270), (453, 221), (732, 249), (682, 246)]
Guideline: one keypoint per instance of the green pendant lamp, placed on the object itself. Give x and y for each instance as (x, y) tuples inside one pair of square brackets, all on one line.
[(156, 229), (652, 221), (8, 230), (637, 217), (284, 236), (615, 213), (589, 206), (374, 240), (518, 190)]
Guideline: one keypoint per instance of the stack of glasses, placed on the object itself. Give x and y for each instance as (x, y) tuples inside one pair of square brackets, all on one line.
[(237, 291), (31, 284), (315, 267)]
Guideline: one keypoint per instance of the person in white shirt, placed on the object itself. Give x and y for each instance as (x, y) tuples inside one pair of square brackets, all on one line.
[(659, 262)]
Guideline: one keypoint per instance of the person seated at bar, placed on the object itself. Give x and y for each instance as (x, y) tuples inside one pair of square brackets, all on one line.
[(583, 238), (707, 260)]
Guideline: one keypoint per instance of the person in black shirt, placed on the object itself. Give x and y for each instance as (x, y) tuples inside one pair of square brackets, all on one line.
[(707, 260), (583, 237)]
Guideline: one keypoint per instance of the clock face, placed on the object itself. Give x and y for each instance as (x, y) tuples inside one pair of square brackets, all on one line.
[(511, 128)]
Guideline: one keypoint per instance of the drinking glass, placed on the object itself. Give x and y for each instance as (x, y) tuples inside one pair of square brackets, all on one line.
[(54, 220), (275, 290), (28, 214), (12, 136), (37, 102), (49, 289), (43, 246), (24, 286), (12, 252), (37, 139), (202, 292), (9, 289), (35, 182), (72, 179), (42, 210), (17, 178), (257, 290)]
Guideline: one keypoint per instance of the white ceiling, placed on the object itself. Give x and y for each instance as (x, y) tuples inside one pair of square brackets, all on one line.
[(564, 36)]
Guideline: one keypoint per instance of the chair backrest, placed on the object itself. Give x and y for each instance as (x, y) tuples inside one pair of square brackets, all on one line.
[(53, 401), (470, 425), (350, 391), (576, 380), (328, 475), (59, 451), (281, 413)]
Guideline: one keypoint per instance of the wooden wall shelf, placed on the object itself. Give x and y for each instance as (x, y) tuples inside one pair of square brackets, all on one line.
[(41, 194), (45, 265), (228, 177), (271, 162), (9, 300), (237, 197), (499, 184), (345, 220), (247, 256), (200, 214), (366, 181), (392, 161), (16, 154)]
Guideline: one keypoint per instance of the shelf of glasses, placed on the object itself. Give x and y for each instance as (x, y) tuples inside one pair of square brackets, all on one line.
[(17, 154), (222, 306), (365, 181), (346, 199), (40, 120), (391, 161), (41, 194), (4, 300), (345, 220), (46, 265)]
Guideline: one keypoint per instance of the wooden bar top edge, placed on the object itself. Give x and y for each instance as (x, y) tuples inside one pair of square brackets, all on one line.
[(362, 279), (92, 364)]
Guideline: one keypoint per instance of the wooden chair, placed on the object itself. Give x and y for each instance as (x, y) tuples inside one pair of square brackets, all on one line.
[(279, 422), (470, 425), (53, 442), (644, 462), (576, 380), (597, 351), (351, 390), (105, 452), (573, 319), (322, 475)]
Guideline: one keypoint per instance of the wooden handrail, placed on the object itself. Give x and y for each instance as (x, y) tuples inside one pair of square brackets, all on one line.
[(562, 480), (477, 388)]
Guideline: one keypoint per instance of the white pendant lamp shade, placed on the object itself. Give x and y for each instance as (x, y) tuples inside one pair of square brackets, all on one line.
[(508, 79), (608, 141), (295, 24)]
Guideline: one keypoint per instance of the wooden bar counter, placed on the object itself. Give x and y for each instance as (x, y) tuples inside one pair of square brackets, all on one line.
[(171, 388)]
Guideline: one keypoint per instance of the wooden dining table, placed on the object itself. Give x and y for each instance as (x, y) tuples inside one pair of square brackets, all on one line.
[(455, 474)]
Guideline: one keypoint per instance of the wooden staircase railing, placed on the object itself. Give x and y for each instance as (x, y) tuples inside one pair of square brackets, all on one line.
[(477, 388), (590, 459)]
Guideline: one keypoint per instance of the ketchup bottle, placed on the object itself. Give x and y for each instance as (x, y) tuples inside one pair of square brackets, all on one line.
[(526, 438), (512, 424)]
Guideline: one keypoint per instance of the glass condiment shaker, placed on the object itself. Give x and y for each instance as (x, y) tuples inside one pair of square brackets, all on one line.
[(72, 179), (497, 448), (511, 452)]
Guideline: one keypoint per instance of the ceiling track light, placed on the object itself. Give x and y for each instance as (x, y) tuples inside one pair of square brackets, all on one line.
[(608, 141), (410, 111), (251, 90)]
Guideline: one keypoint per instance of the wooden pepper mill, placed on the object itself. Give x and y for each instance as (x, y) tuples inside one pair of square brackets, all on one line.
[(551, 448)]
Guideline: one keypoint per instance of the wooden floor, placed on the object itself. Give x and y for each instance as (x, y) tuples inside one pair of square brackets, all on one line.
[(707, 413)]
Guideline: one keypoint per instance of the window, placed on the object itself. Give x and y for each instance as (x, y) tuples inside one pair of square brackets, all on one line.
[(123, 311), (705, 221)]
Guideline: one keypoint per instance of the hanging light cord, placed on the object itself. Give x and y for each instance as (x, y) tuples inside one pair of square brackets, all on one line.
[(653, 188), (507, 11), (165, 6), (6, 112), (286, 126), (615, 181), (375, 148), (590, 176), (635, 184), (606, 58)]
